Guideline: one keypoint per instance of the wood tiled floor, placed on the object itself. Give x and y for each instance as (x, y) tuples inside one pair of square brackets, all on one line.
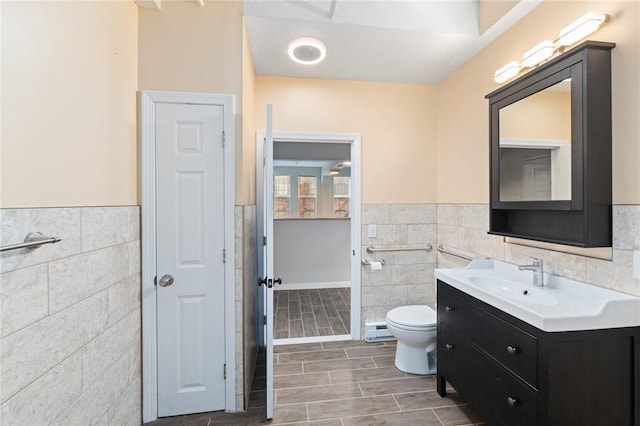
[(308, 313), (342, 384)]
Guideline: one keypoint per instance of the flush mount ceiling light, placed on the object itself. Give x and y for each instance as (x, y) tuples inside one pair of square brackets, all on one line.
[(576, 31), (307, 50)]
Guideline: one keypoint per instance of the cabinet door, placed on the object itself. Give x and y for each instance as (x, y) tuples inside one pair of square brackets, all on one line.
[(511, 346), (499, 397)]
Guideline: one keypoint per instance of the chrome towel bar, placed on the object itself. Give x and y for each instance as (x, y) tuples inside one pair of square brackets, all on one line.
[(32, 240), (372, 249), (443, 249)]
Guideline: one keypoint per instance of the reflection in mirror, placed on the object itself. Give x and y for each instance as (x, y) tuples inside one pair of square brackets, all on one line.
[(535, 146)]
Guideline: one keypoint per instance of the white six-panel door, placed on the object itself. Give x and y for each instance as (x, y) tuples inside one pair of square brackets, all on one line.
[(190, 258)]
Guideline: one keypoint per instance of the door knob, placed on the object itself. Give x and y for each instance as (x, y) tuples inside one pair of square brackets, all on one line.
[(166, 280), (262, 281), (278, 281)]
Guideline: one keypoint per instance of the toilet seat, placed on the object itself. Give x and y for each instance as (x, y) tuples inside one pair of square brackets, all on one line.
[(413, 318)]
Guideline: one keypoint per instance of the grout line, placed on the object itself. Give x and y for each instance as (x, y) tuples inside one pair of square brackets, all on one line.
[(396, 401), (437, 417)]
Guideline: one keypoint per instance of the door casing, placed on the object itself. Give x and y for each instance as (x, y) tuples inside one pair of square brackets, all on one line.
[(147, 102)]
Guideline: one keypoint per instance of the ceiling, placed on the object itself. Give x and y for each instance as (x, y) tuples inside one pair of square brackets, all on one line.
[(418, 41)]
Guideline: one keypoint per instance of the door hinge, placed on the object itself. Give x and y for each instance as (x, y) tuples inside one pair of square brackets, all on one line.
[(223, 139), (264, 240), (225, 371), (264, 319), (155, 280), (224, 255)]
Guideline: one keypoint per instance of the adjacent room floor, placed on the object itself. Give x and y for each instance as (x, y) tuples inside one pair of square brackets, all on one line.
[(341, 384), (308, 313)]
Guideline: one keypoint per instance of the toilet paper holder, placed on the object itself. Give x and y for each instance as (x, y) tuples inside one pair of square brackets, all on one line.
[(366, 262)]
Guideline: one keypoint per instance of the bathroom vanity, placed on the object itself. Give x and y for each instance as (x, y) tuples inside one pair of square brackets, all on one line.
[(556, 373)]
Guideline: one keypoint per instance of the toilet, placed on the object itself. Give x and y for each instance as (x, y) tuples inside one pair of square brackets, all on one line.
[(414, 327)]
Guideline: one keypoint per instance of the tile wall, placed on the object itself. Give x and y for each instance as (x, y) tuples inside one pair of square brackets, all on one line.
[(246, 290), (407, 276), (70, 318), (464, 227)]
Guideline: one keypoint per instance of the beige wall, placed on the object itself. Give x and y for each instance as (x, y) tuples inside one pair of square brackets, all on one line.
[(396, 122), (185, 47), (463, 144), (68, 103), (188, 48), (246, 176)]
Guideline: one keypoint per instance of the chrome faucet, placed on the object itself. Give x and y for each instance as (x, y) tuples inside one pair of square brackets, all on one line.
[(536, 267)]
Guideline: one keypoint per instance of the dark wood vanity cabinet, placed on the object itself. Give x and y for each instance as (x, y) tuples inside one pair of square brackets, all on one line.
[(512, 373)]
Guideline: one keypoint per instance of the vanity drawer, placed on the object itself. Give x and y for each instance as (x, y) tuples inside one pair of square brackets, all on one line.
[(513, 347), (499, 397)]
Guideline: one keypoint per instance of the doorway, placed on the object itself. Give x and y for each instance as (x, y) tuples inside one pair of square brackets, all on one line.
[(187, 229), (316, 235)]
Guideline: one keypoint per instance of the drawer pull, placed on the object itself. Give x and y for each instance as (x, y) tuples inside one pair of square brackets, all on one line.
[(512, 349), (448, 308), (448, 346), (512, 401)]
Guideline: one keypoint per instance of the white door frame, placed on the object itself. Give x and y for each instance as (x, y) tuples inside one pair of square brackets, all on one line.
[(356, 210), (147, 101)]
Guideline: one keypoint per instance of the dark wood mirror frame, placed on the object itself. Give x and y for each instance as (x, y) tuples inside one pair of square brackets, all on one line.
[(585, 220)]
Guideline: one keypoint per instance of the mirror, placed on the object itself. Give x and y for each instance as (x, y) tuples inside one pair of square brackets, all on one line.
[(535, 146)]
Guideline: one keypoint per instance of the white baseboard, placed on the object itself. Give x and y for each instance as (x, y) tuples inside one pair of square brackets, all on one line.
[(312, 286), (313, 339)]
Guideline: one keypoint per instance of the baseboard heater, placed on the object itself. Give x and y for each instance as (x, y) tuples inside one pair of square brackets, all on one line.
[(377, 332)]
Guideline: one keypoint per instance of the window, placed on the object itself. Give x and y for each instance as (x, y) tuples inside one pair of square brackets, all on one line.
[(281, 196), (341, 196), (307, 196)]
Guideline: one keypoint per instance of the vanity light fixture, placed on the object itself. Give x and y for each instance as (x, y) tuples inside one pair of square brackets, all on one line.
[(507, 72), (538, 54), (582, 27), (307, 50), (576, 31)]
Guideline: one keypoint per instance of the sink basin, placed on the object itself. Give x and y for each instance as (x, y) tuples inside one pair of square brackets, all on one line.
[(515, 291), (561, 305)]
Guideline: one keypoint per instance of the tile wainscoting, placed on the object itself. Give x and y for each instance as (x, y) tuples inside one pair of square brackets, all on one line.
[(407, 276), (70, 317), (464, 227), (246, 293)]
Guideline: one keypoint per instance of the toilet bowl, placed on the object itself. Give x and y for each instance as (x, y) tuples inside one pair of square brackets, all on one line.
[(415, 329)]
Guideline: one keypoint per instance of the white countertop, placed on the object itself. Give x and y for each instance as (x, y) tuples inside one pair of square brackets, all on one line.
[(561, 305)]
